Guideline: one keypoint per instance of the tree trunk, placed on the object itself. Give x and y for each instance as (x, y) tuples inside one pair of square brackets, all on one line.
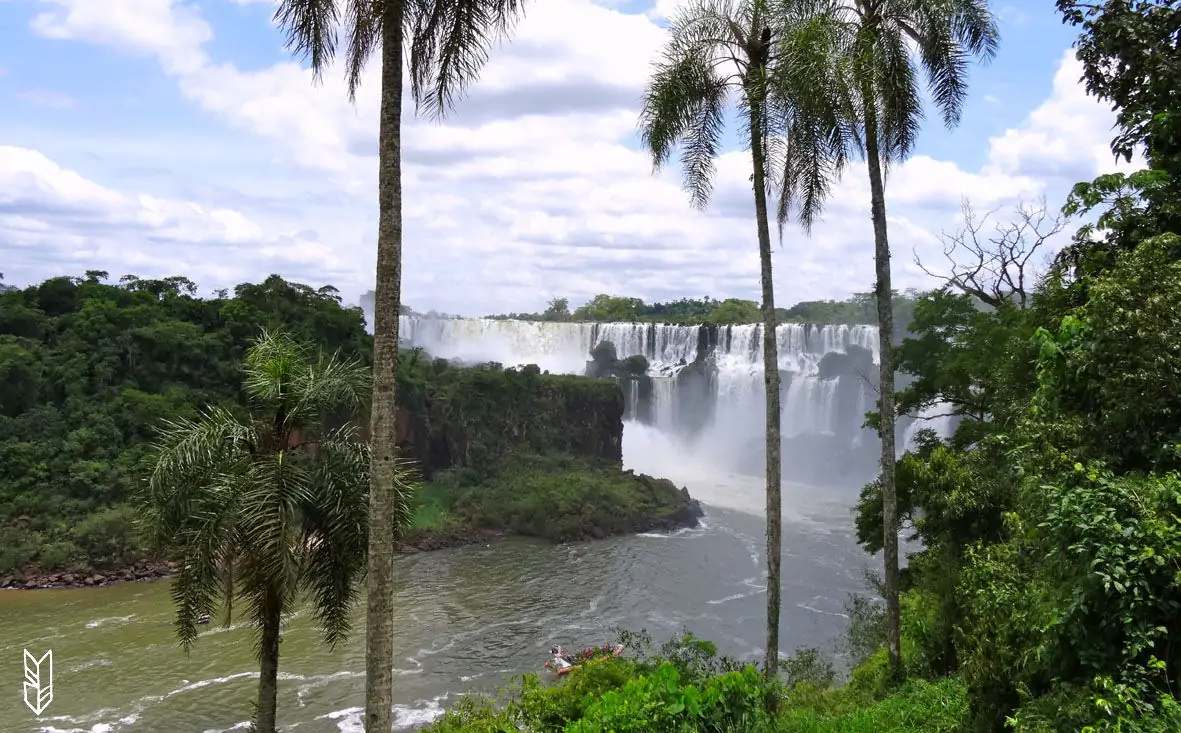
[(379, 643), (885, 303), (771, 385), (268, 668)]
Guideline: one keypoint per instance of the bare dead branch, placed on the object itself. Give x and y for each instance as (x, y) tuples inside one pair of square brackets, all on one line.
[(996, 267)]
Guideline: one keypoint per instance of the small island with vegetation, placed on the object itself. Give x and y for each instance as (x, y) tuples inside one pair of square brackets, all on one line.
[(518, 451), (92, 368)]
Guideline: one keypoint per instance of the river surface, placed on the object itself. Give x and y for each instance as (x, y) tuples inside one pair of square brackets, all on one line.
[(467, 619)]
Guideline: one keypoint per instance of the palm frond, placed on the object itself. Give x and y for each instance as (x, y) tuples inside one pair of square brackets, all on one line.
[(892, 85), (331, 385), (207, 540), (274, 490), (188, 454), (311, 27), (335, 534), (273, 365), (949, 34), (685, 104), (362, 24), (813, 108), (449, 44)]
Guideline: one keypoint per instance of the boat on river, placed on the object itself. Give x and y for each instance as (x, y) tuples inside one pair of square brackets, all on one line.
[(561, 662)]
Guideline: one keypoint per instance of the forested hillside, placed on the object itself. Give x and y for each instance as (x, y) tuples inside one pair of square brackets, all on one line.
[(87, 366)]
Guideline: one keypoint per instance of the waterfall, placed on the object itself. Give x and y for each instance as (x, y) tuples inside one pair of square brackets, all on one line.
[(937, 417), (826, 370)]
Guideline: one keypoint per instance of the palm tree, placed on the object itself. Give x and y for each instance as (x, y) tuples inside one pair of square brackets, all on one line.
[(876, 48), (448, 44), (270, 508), (741, 51)]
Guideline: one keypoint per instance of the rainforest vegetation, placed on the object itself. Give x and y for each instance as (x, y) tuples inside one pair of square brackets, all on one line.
[(91, 368)]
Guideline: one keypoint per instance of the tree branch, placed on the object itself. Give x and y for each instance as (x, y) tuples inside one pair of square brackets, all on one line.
[(996, 268)]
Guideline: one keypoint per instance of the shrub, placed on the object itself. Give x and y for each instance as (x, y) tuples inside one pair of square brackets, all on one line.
[(56, 555), (660, 702), (108, 537)]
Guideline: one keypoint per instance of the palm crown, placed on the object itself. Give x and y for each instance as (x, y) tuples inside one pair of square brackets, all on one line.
[(748, 53), (269, 505), (447, 42)]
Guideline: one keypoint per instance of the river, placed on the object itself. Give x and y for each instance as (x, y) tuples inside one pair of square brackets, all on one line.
[(467, 618)]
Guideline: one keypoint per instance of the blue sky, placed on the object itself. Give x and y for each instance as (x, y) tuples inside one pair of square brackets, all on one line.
[(165, 137)]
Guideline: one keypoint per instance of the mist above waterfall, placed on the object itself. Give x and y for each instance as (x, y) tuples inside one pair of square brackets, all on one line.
[(706, 412)]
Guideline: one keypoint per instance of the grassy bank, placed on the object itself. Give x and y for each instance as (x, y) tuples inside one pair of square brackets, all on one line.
[(556, 497)]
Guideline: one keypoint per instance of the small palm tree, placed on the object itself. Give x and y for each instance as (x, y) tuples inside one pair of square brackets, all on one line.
[(448, 43), (742, 52), (268, 507), (876, 50)]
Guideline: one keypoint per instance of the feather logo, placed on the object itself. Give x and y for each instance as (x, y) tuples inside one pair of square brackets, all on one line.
[(38, 681)]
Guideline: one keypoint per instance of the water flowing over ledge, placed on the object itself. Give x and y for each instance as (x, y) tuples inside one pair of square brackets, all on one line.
[(563, 347), (706, 383)]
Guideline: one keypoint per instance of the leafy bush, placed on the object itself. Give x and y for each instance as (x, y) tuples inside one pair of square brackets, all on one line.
[(660, 702), (56, 555), (108, 537)]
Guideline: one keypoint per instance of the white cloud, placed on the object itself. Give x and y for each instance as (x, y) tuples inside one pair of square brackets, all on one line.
[(534, 188), (172, 31), (54, 221)]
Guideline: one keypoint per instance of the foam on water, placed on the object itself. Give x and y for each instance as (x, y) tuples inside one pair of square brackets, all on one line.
[(109, 621), (352, 720)]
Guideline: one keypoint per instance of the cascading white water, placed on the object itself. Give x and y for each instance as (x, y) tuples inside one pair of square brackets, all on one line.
[(735, 423), (565, 347)]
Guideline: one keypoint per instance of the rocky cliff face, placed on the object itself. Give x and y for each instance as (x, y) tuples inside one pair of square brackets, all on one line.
[(474, 416)]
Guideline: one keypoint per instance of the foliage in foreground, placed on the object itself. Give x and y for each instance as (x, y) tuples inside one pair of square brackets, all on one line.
[(687, 687), (1048, 579)]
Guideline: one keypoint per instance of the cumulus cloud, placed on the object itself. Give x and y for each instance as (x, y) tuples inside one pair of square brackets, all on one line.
[(535, 186), (53, 221)]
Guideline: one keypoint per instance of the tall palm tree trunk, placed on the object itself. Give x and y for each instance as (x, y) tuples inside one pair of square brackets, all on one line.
[(771, 384), (268, 668), (885, 303), (379, 643)]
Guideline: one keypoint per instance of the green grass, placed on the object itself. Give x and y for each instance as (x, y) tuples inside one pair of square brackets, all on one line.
[(916, 707), (432, 509)]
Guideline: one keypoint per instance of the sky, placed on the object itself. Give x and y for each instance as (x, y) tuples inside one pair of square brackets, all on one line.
[(179, 137)]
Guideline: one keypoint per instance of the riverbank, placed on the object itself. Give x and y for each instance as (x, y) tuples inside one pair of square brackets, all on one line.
[(436, 527), (35, 578)]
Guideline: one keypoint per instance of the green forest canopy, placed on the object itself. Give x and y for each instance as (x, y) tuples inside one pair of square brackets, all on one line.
[(87, 368), (858, 309)]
